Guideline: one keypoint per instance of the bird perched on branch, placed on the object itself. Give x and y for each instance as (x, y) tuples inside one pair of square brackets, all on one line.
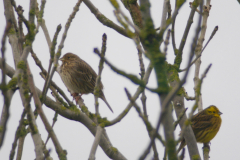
[(205, 125), (79, 77)]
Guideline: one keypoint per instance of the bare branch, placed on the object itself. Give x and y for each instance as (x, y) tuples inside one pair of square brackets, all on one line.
[(166, 42), (179, 118), (4, 88), (104, 20), (199, 55), (48, 127), (198, 51), (98, 79), (20, 127), (54, 42), (95, 143)]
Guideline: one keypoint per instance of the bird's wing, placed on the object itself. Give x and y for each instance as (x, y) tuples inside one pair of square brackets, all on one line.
[(85, 73), (200, 121)]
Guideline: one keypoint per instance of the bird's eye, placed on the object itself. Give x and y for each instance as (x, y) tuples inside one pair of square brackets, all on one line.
[(68, 57), (213, 111)]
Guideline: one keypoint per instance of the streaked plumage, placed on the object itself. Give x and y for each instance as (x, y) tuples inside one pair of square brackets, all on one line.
[(78, 76), (205, 125)]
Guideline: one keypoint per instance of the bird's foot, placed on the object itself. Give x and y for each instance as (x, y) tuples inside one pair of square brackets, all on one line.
[(206, 146), (76, 96)]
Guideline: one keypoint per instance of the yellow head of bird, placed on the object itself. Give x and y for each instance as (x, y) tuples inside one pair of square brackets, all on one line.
[(213, 110)]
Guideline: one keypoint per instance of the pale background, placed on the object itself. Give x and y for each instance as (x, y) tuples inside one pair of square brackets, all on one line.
[(221, 86)]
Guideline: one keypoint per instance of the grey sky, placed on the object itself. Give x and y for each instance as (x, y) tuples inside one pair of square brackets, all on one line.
[(221, 87)]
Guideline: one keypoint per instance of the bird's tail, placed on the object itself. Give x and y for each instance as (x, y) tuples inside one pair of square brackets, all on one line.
[(104, 99), (182, 145)]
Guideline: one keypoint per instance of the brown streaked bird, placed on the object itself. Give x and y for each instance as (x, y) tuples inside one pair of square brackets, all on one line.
[(79, 77), (205, 125)]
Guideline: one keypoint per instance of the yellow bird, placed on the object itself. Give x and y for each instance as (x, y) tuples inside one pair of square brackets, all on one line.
[(205, 125)]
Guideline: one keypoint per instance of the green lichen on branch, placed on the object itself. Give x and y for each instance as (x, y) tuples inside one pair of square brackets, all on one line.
[(145, 6), (172, 71), (22, 65), (132, 1), (103, 121), (195, 157), (63, 107), (62, 155), (115, 150), (11, 31), (171, 149), (12, 83), (195, 3), (151, 42), (54, 42), (134, 10), (96, 91), (85, 110), (205, 149), (178, 60), (32, 12), (22, 132), (187, 122), (40, 14), (74, 109), (115, 4), (148, 125), (180, 3), (34, 130), (31, 34)]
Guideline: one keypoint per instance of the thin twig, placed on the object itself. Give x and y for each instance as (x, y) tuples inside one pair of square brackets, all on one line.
[(179, 118), (198, 51), (95, 143), (48, 127), (206, 150), (54, 42), (178, 58), (181, 157), (54, 121), (3, 85), (164, 13), (123, 16), (166, 42), (198, 56), (20, 147), (54, 92), (100, 67), (186, 95), (142, 70), (20, 126), (104, 20)]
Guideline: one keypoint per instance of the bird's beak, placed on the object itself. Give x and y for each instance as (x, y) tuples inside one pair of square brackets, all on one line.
[(219, 113), (61, 59)]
